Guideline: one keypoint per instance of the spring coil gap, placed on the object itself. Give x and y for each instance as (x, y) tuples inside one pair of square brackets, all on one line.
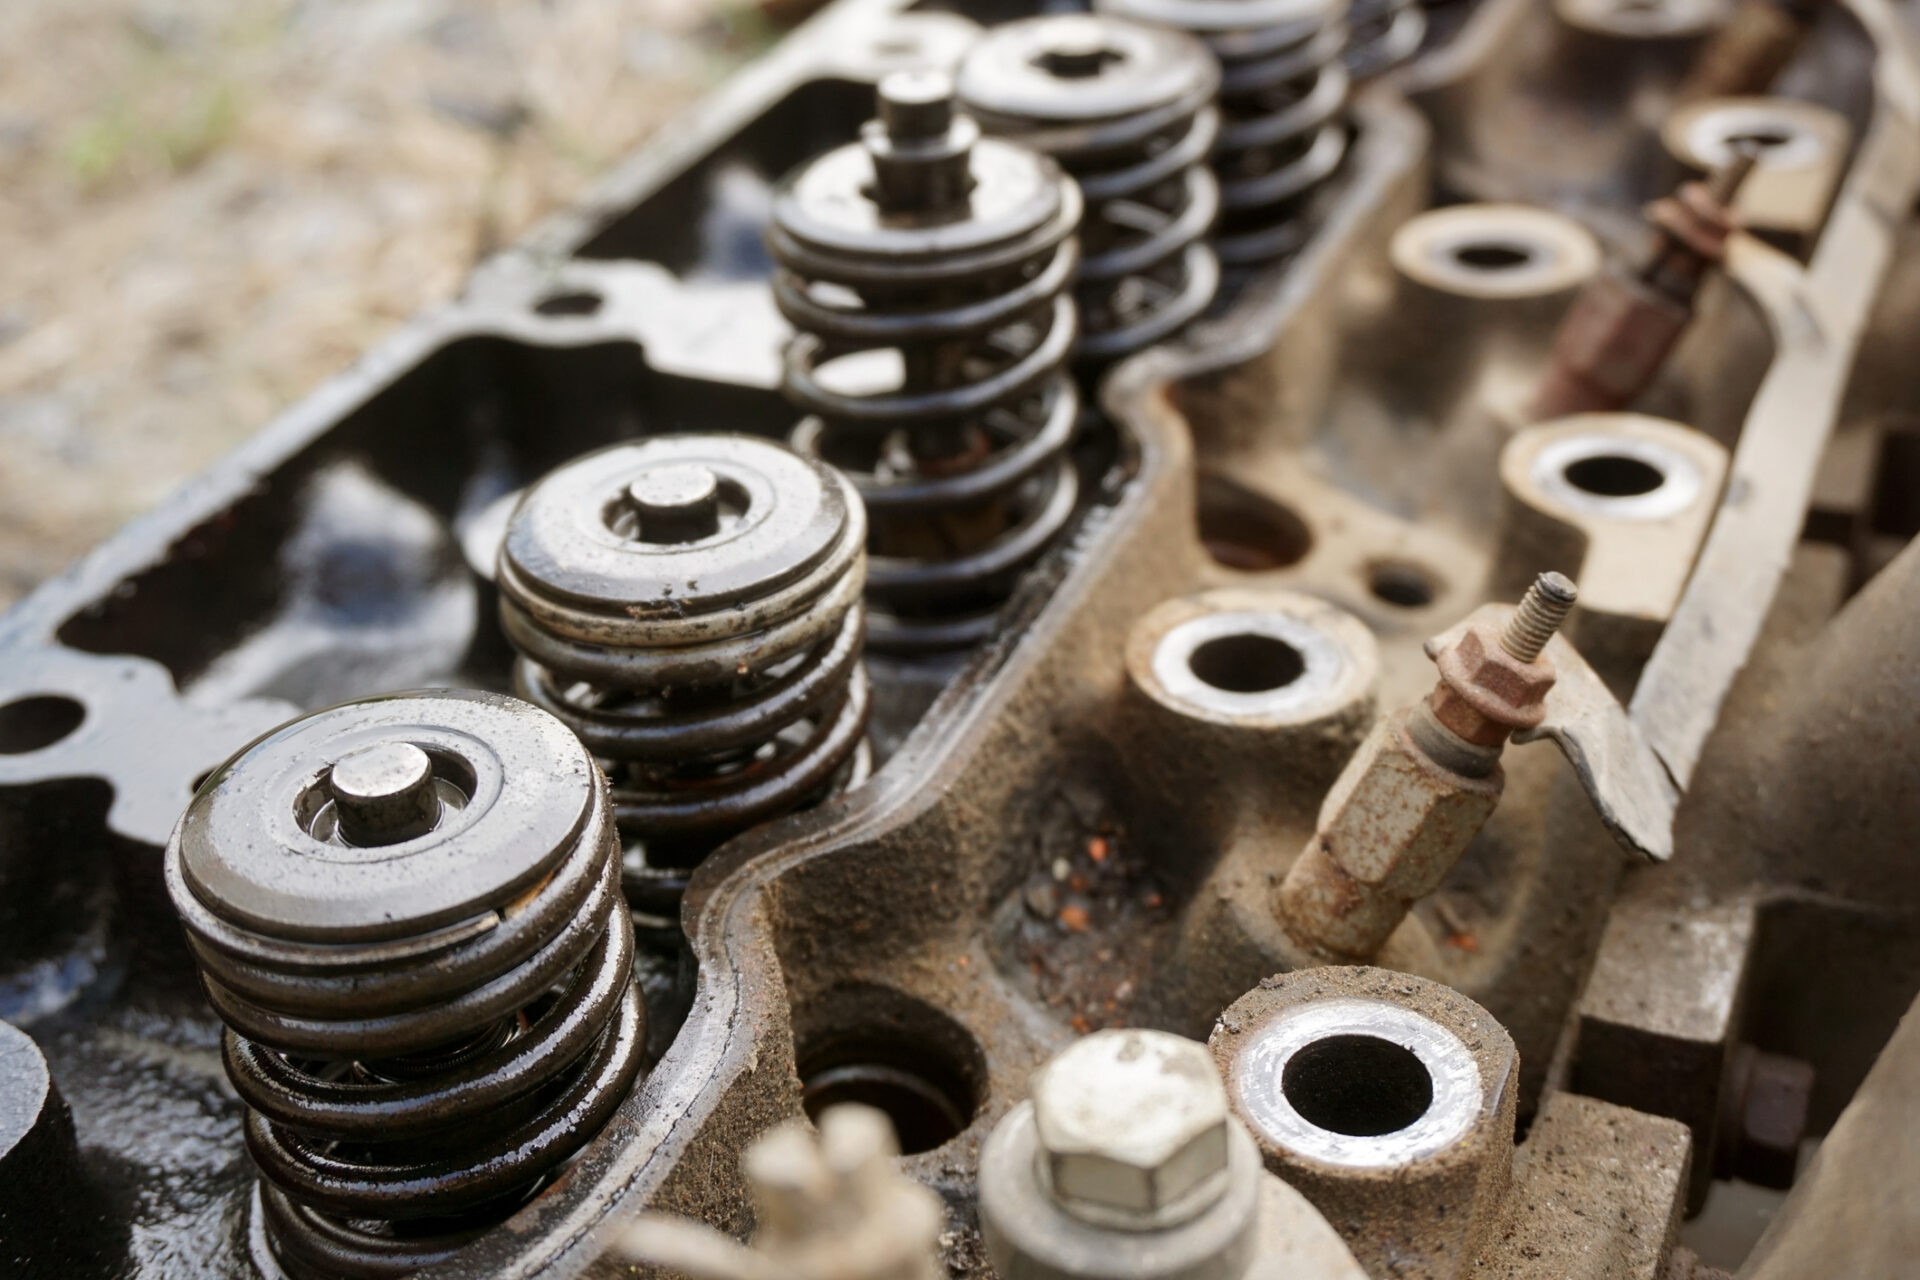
[(1382, 34), (1128, 111), (926, 272), (1283, 97)]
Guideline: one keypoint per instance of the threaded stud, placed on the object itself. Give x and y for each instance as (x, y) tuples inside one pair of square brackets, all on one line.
[(1541, 611)]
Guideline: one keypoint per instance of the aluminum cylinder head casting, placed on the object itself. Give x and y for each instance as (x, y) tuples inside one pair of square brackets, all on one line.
[(407, 912), (1128, 111), (1387, 1100), (926, 272), (690, 607), (1283, 94)]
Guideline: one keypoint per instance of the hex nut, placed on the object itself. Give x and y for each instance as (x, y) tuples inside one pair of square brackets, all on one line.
[(1395, 821), (1487, 692), (1132, 1129)]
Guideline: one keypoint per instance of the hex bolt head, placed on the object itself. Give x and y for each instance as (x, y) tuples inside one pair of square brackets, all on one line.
[(678, 503), (1132, 1129), (384, 794)]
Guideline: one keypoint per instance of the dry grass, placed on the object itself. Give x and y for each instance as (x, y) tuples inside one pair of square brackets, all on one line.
[(209, 205)]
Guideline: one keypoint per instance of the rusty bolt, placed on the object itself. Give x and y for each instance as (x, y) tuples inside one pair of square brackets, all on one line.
[(1493, 679), (1763, 1116), (1621, 328), (1426, 780), (1132, 1129), (1391, 828)]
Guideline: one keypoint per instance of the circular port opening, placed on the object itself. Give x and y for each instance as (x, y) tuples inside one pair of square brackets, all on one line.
[(1247, 663), (1244, 531), (33, 724), (1614, 476), (924, 1114), (577, 302), (1358, 1085), (1406, 586), (1759, 138), (1492, 256), (884, 1049)]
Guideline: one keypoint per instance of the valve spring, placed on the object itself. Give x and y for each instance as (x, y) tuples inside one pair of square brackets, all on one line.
[(925, 270), (1128, 111), (690, 607), (1382, 35), (407, 913), (1283, 97)]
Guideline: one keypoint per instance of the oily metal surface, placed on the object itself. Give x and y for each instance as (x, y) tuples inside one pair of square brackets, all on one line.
[(1055, 847)]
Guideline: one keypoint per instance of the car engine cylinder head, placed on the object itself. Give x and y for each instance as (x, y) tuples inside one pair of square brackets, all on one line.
[(1127, 109), (407, 913), (926, 271), (1283, 97), (690, 606)]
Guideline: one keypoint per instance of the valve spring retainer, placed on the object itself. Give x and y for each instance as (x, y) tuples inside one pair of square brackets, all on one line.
[(1127, 109), (926, 271), (407, 913), (689, 605), (1283, 97), (1382, 34)]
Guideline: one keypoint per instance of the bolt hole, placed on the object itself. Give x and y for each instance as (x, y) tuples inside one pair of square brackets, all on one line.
[(1758, 139), (1492, 256), (1247, 663), (1244, 531), (579, 302), (1358, 1085), (1611, 475), (1406, 585), (923, 1114), (33, 724), (886, 1050)]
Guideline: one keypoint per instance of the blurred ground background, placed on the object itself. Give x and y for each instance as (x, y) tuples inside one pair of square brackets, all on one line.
[(207, 206)]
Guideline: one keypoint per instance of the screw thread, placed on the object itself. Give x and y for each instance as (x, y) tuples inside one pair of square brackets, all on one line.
[(1541, 611)]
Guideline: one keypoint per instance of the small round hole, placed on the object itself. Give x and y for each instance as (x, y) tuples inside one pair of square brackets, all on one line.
[(1358, 1085), (32, 724), (923, 1115), (1758, 139), (1405, 585), (1247, 663), (1493, 257), (884, 1049), (1244, 531), (1612, 475), (579, 302)]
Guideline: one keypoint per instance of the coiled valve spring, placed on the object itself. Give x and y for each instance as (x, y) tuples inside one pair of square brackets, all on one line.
[(1283, 97), (407, 912), (1127, 110), (926, 272), (690, 607), (1382, 34)]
